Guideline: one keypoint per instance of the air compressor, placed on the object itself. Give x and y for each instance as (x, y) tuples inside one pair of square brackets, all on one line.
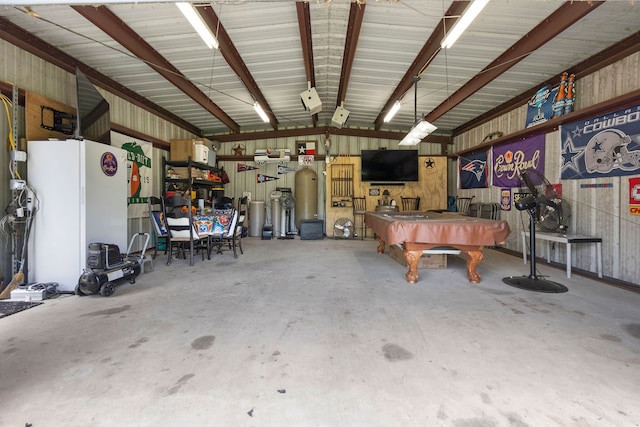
[(107, 268)]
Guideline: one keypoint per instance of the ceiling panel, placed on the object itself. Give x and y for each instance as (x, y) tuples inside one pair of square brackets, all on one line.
[(267, 38)]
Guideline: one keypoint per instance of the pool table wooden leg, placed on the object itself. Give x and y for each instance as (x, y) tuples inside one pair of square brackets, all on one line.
[(380, 245), (412, 258), (473, 260)]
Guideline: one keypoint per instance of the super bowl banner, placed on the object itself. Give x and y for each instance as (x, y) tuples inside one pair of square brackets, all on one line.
[(139, 172), (473, 170), (603, 146), (540, 106), (510, 160)]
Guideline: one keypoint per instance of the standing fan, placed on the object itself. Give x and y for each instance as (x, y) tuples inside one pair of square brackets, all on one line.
[(552, 212), (288, 203), (343, 229), (544, 207)]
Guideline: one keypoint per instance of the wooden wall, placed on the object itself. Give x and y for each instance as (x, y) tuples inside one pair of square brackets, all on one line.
[(430, 187), (596, 211)]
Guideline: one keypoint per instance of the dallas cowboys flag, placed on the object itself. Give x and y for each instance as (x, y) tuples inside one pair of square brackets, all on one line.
[(473, 170), (603, 146)]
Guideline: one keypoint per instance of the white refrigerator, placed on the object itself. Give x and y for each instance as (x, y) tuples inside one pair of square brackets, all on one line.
[(81, 188)]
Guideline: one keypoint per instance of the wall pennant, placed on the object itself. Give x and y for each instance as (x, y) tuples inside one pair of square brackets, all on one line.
[(244, 168), (284, 170), (261, 178)]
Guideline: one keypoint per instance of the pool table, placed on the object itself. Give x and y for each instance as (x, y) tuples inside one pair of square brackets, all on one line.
[(420, 231)]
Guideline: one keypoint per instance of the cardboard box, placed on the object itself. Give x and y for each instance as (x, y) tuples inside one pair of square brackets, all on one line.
[(182, 149), (426, 260)]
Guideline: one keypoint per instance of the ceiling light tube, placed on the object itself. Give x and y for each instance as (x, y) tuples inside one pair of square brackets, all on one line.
[(198, 24), (419, 131), (260, 112), (465, 20), (392, 112)]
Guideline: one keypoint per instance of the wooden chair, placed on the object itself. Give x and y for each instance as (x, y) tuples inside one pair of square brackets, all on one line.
[(181, 230), (462, 204), (155, 207), (359, 208), (410, 203), (229, 234)]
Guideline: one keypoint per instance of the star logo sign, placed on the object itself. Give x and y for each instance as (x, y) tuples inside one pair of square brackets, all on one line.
[(429, 163), (577, 132), (570, 155)]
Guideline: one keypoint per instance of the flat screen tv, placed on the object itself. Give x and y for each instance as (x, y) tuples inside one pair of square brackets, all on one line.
[(389, 165), (93, 121)]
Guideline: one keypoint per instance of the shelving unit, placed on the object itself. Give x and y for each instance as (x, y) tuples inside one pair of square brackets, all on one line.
[(190, 179)]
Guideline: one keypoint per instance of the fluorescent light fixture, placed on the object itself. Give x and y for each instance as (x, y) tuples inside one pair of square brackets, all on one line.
[(392, 112), (198, 24), (465, 20), (260, 112), (418, 132)]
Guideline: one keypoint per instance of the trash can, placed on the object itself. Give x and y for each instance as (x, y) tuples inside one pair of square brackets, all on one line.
[(256, 218)]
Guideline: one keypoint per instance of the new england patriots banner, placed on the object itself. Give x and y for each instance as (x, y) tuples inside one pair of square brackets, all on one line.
[(603, 146), (510, 160), (473, 170)]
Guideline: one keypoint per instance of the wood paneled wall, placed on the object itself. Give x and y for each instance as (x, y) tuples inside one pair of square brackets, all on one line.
[(595, 211)]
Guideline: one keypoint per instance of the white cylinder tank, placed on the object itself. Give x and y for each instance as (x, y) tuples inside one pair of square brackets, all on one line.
[(306, 196)]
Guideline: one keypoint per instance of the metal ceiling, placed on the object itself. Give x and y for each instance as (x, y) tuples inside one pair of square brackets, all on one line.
[(365, 54)]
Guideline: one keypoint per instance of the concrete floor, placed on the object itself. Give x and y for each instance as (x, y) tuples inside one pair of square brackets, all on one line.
[(325, 333)]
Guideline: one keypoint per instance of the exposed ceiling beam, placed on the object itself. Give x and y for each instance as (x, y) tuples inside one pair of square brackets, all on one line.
[(561, 19), (605, 57), (287, 133), (108, 22), (304, 25), (233, 58), (356, 14), (424, 57), (38, 47)]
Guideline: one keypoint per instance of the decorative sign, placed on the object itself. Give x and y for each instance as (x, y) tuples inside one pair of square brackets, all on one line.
[(305, 160), (634, 196), (109, 164), (510, 160), (603, 146), (139, 154), (505, 199)]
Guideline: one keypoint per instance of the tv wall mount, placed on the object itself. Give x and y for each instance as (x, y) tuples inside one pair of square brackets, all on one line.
[(58, 121)]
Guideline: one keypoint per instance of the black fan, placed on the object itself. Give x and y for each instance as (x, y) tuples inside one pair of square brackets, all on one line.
[(546, 209), (552, 213), (288, 204)]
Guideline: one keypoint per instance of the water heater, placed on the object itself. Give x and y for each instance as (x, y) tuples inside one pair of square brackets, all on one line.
[(306, 195)]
